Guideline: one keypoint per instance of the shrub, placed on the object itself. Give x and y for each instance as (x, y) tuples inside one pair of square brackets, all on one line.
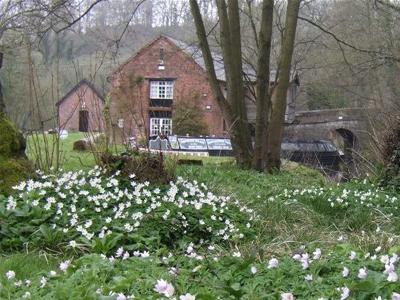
[(391, 155), (188, 119), (146, 167), (14, 165), (12, 171), (12, 143), (99, 213)]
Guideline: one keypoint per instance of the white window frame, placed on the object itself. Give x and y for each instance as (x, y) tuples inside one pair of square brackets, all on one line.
[(160, 126), (161, 89)]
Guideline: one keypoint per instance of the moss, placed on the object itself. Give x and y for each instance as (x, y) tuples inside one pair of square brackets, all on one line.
[(12, 143), (13, 171), (14, 166)]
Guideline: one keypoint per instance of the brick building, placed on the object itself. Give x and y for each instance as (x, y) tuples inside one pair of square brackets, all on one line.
[(81, 109), (162, 75)]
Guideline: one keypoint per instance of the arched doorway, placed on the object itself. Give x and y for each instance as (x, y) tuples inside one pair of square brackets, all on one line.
[(83, 120)]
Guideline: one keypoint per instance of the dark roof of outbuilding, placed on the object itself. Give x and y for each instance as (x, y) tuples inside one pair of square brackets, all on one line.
[(77, 86)]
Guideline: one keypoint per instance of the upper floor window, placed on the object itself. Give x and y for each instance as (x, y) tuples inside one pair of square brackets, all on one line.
[(161, 89)]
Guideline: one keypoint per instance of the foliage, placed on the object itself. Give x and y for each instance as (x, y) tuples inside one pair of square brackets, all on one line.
[(320, 97), (303, 213), (12, 171), (310, 274), (391, 154), (189, 119), (12, 143), (297, 211), (14, 166), (99, 212)]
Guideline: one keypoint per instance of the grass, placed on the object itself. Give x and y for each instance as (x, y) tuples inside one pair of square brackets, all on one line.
[(288, 218), (38, 264), (282, 226), (287, 226), (38, 145)]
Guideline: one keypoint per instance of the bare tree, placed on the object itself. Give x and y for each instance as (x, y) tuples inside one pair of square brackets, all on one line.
[(270, 117)]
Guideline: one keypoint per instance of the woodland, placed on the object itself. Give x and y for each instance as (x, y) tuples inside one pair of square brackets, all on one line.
[(346, 52), (115, 222)]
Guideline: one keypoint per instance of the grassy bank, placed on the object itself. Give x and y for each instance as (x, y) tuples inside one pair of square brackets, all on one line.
[(297, 212)]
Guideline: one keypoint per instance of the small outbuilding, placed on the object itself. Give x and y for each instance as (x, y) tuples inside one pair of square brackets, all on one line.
[(81, 109)]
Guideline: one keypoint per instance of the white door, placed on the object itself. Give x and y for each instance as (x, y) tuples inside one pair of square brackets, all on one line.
[(160, 126)]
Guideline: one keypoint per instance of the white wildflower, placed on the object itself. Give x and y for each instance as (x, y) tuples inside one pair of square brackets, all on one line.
[(18, 283), (362, 273), (121, 296), (64, 265), (345, 293), (43, 282), (52, 273), (392, 277), (273, 263), (253, 270), (119, 252), (395, 296), (145, 254), (317, 253), (187, 297), (165, 288), (287, 296), (345, 272), (236, 254), (10, 275), (308, 277)]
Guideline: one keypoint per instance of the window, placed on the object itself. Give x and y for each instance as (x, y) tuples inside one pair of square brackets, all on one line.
[(161, 89), (160, 126)]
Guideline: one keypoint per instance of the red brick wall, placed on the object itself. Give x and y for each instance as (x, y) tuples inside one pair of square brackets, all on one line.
[(68, 110), (130, 99)]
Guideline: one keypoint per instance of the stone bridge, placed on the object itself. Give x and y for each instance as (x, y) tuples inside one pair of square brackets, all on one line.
[(346, 128)]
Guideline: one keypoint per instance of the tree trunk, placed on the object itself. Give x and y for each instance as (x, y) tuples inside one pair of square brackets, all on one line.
[(275, 130), (2, 104), (263, 99), (233, 106), (231, 49)]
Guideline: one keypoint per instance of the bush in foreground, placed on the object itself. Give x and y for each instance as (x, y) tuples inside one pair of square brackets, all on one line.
[(91, 211)]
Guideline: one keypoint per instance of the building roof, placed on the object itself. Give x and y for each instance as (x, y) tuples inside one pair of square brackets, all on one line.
[(76, 87), (194, 51)]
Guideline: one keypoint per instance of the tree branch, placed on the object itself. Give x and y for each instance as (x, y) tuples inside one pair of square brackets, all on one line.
[(81, 16), (337, 39)]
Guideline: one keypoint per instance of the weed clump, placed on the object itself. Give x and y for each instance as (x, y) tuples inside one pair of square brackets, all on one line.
[(391, 154), (146, 167)]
